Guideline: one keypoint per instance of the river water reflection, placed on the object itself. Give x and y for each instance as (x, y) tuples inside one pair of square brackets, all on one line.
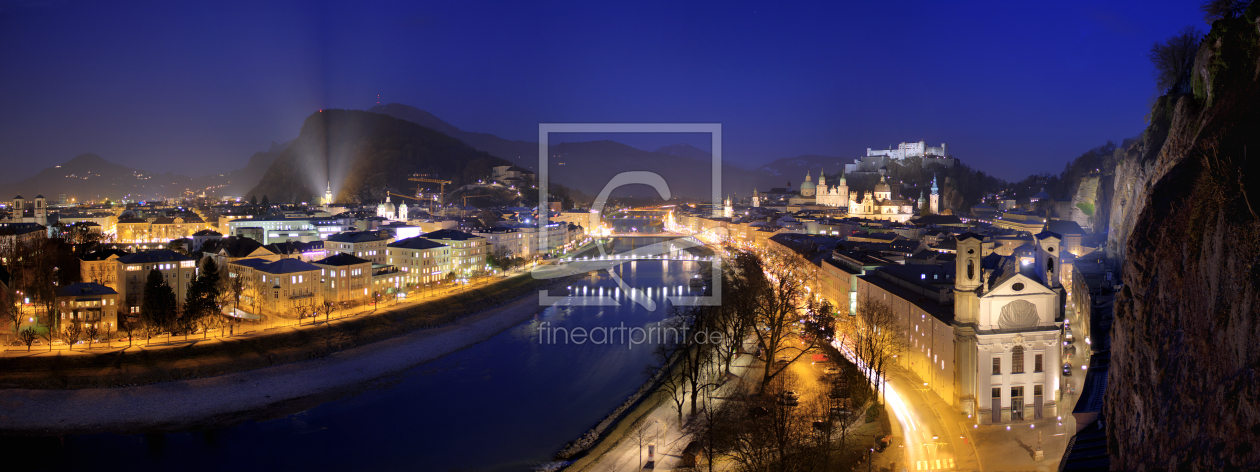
[(505, 404)]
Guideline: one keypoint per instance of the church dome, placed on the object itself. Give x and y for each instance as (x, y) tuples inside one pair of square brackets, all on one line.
[(882, 186), (807, 184)]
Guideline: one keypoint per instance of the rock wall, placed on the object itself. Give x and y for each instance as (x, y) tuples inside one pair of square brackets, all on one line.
[(1086, 194), (1184, 384)]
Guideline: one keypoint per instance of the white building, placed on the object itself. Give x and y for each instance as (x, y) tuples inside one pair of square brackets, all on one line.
[(422, 261), (1007, 317), (835, 196), (369, 245), (904, 150), (882, 204)]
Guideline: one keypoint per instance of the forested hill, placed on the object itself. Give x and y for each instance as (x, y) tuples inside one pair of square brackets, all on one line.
[(367, 154)]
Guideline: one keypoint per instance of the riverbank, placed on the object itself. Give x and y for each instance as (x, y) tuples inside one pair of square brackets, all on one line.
[(260, 393), (199, 359)]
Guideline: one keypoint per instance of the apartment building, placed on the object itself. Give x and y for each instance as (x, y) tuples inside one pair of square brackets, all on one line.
[(286, 288), (468, 251), (133, 271), (369, 245), (346, 277), (422, 261)]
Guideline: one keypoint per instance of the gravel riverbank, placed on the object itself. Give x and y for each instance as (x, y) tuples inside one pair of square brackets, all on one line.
[(267, 392)]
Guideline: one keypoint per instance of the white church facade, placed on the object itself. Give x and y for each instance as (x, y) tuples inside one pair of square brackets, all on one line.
[(1006, 324), (388, 211)]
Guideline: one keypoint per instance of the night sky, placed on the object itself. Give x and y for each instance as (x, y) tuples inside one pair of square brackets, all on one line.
[(1012, 87)]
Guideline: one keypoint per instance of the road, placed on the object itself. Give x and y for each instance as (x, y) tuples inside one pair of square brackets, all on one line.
[(928, 440)]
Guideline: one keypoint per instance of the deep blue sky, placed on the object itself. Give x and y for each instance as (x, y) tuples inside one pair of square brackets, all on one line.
[(1013, 87)]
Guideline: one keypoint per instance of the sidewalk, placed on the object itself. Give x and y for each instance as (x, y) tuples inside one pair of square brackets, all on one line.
[(663, 429)]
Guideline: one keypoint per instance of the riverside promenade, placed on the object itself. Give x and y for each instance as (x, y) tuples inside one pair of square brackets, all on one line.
[(229, 398)]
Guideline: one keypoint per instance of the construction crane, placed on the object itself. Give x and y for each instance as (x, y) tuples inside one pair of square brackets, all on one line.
[(466, 197), (418, 199), (433, 180)]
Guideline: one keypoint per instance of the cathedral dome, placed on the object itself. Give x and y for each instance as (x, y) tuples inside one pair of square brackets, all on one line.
[(807, 184), (882, 186)]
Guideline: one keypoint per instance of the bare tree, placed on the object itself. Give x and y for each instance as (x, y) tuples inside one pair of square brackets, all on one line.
[(11, 308), (772, 291), (28, 337), (674, 385), (73, 332), (878, 338), (644, 435), (1174, 58), (130, 325), (1222, 9), (328, 307), (734, 323), (709, 426), (92, 331), (208, 322), (689, 346), (771, 433)]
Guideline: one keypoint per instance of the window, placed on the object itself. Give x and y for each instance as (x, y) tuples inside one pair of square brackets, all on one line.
[(1037, 364), (997, 365), (1017, 360), (1037, 390), (996, 393)]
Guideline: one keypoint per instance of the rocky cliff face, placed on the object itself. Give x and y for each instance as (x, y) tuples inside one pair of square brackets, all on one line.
[(1184, 386)]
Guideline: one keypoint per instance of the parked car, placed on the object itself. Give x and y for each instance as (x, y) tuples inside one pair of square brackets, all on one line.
[(832, 370), (16, 343), (790, 394), (1067, 370), (1067, 334)]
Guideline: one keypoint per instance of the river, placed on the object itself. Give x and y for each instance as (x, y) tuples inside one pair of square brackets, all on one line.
[(506, 404)]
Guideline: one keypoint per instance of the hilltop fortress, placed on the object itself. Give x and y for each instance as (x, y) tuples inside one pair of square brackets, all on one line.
[(877, 158)]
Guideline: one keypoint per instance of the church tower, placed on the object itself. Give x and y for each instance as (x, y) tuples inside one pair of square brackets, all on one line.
[(843, 189), (756, 199), (19, 206), (968, 278), (822, 181), (967, 282), (727, 210), (936, 199), (41, 210), (1048, 257)]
